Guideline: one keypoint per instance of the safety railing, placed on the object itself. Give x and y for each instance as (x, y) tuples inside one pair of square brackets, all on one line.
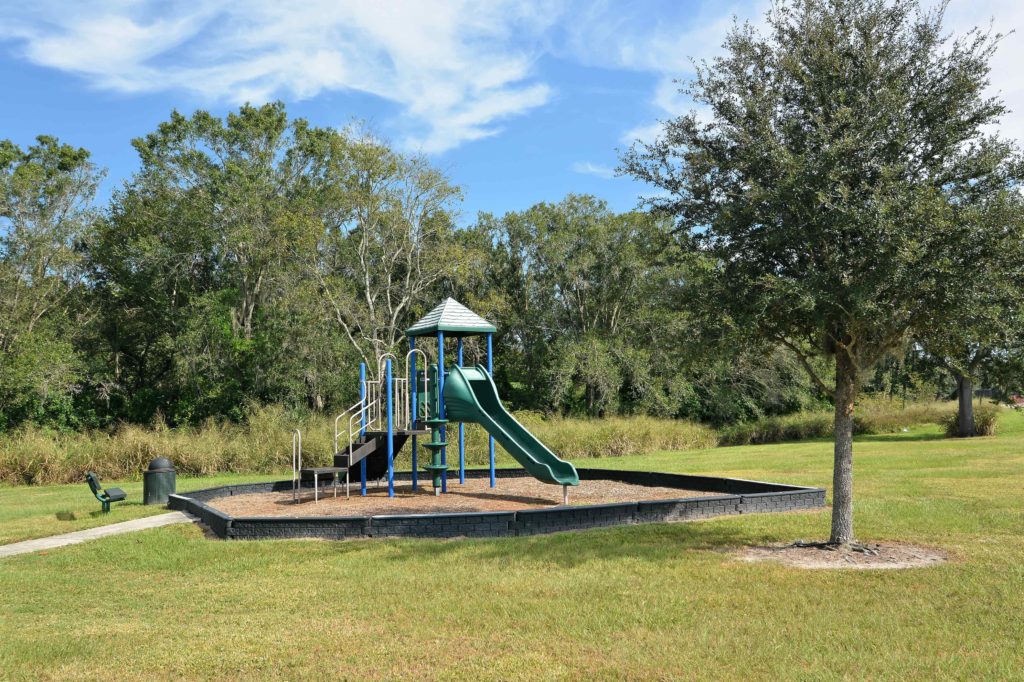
[(296, 464), (356, 411), (370, 413), (410, 386)]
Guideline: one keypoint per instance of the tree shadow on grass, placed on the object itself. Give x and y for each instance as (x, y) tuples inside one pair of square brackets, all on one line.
[(898, 437), (656, 542)]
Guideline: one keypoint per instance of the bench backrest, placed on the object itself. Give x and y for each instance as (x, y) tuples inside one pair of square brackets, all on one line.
[(94, 483)]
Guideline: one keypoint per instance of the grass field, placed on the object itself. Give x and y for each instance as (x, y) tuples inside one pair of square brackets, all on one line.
[(651, 602)]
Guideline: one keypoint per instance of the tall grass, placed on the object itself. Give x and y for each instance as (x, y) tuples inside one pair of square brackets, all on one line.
[(609, 437), (262, 444), (870, 417)]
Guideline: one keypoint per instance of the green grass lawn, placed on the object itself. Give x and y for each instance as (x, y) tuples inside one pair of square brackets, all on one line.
[(28, 512), (657, 601)]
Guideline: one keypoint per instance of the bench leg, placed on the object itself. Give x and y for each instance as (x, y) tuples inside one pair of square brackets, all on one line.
[(106, 506)]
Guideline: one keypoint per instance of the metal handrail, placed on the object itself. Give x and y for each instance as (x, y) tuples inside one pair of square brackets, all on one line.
[(338, 418), (380, 364), (296, 463), (352, 430), (412, 379), (364, 413), (369, 410), (400, 390)]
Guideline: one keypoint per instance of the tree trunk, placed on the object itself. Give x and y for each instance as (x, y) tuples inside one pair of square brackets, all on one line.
[(842, 467), (965, 411)]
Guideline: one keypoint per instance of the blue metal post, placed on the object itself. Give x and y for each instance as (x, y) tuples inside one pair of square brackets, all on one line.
[(362, 424), (412, 388), (391, 432), (440, 406), (490, 370), (462, 432)]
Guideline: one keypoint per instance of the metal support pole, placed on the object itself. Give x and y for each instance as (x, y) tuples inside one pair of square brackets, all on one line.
[(565, 494), (412, 417), (362, 425), (462, 431), (490, 370), (391, 429), (440, 407)]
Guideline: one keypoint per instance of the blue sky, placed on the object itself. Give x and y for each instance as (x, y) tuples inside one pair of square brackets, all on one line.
[(519, 102)]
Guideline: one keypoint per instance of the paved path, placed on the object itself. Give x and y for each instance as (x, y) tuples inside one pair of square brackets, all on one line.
[(55, 541)]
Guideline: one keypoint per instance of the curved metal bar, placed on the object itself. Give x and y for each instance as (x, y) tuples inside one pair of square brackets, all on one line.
[(412, 383), (337, 419), (380, 364), (296, 464)]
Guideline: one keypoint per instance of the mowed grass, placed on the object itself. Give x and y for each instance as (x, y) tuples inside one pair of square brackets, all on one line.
[(28, 512), (643, 602)]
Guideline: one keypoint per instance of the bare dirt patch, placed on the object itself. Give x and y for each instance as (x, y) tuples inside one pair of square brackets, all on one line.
[(512, 494), (860, 556)]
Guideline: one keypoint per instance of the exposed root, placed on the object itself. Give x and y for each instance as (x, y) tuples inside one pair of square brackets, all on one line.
[(801, 554)]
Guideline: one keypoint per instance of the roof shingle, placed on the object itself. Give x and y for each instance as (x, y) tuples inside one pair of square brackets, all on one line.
[(453, 317)]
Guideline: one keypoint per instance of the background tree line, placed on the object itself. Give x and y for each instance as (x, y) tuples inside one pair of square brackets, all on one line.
[(257, 259)]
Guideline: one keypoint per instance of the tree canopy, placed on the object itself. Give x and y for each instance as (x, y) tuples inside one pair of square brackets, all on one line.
[(46, 192), (833, 193)]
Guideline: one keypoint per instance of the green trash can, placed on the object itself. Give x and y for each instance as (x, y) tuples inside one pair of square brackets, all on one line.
[(158, 481)]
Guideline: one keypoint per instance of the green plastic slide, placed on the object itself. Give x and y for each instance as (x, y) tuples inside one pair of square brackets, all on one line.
[(471, 396)]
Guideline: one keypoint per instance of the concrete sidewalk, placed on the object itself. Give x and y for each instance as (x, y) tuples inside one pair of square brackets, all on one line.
[(55, 541)]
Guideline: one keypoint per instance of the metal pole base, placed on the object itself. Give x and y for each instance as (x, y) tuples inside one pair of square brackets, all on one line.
[(565, 494)]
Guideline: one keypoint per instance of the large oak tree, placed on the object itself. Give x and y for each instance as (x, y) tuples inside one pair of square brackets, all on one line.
[(831, 188)]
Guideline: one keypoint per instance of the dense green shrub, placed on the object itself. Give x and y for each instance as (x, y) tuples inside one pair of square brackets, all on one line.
[(986, 419)]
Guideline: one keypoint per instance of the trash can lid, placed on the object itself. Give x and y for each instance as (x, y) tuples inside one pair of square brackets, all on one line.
[(160, 463)]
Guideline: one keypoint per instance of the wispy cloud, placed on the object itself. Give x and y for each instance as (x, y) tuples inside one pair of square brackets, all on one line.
[(455, 67), (667, 44), (1007, 77), (671, 49), (588, 168)]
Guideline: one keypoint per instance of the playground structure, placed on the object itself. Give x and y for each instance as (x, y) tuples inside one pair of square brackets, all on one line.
[(394, 409)]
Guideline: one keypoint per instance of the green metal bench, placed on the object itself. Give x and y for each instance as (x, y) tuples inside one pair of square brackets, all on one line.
[(104, 496)]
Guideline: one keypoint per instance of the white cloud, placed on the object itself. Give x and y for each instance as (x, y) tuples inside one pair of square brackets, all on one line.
[(665, 43), (670, 48), (669, 103), (645, 133), (596, 169), (1007, 76), (455, 67)]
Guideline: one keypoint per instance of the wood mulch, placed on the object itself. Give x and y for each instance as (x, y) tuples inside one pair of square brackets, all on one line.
[(511, 494)]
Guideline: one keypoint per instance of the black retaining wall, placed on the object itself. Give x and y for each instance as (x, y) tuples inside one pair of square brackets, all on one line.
[(736, 496)]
